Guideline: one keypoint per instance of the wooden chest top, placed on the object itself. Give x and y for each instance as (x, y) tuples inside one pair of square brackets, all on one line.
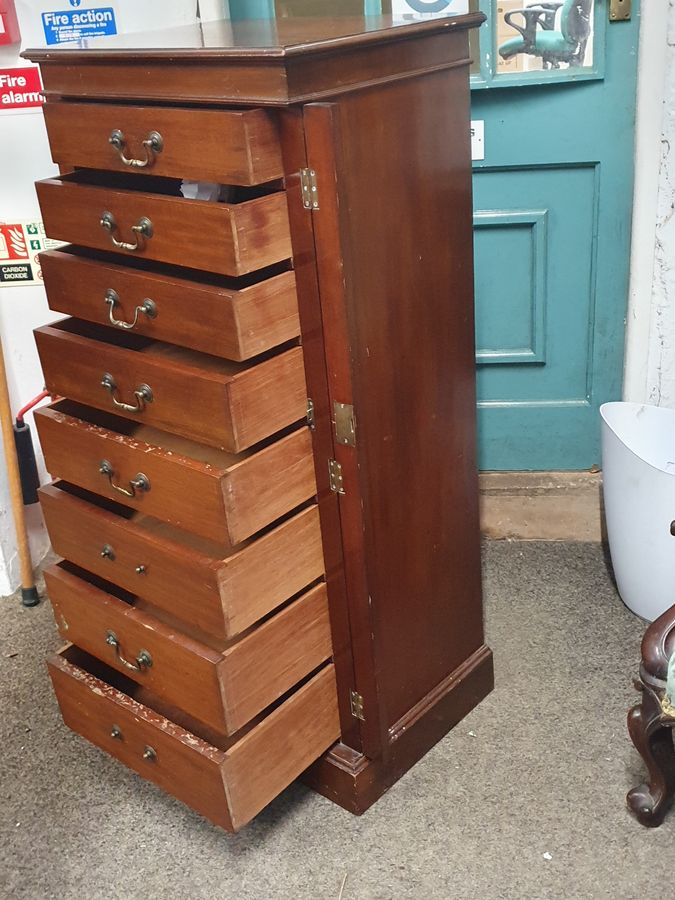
[(268, 62)]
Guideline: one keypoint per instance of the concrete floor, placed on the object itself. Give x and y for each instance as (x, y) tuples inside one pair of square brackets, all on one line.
[(524, 799)]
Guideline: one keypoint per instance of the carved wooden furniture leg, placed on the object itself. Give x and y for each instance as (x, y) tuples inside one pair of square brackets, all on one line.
[(650, 724), (654, 742)]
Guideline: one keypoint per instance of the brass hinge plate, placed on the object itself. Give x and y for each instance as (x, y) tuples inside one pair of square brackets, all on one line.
[(310, 193), (620, 10), (311, 418), (335, 476), (356, 704), (345, 424)]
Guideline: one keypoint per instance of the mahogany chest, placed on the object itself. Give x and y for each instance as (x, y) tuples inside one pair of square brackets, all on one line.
[(265, 488)]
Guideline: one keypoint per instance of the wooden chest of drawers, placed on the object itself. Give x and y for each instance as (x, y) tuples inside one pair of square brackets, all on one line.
[(265, 495)]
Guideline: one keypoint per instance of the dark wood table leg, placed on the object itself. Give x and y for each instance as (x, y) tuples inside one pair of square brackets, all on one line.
[(650, 724), (653, 740)]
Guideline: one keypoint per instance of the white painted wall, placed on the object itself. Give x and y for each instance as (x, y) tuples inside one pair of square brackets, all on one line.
[(661, 358), (650, 328), (24, 158)]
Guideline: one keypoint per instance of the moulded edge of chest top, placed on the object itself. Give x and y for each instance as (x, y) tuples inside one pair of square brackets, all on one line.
[(265, 80)]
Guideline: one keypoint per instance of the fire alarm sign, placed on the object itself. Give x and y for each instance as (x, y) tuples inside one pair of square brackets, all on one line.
[(20, 87)]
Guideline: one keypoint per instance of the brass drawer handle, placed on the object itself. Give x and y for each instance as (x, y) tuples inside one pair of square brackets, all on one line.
[(154, 143), (143, 660), (143, 395), (147, 308), (143, 229), (140, 483)]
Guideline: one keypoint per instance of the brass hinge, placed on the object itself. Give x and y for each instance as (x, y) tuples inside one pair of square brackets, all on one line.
[(345, 424), (620, 10), (310, 194), (311, 419), (335, 476), (356, 704)]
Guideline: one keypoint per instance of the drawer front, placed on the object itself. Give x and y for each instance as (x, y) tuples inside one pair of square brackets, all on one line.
[(224, 501), (228, 409), (228, 785), (225, 689), (235, 324), (175, 576), (224, 146), (229, 239), (180, 575), (272, 658)]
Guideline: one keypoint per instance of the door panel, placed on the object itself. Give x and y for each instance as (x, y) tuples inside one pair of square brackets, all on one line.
[(515, 243), (536, 268), (552, 202)]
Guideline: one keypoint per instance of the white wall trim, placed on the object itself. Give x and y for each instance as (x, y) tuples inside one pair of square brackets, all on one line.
[(651, 84)]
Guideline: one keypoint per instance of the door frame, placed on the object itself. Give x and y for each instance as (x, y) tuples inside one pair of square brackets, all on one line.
[(651, 81)]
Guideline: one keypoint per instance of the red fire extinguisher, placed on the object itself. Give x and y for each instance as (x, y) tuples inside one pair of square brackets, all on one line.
[(9, 23)]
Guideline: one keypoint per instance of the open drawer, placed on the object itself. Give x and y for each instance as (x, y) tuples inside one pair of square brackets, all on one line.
[(223, 497), (226, 404), (147, 217), (234, 318), (235, 146), (224, 684), (227, 780), (219, 592)]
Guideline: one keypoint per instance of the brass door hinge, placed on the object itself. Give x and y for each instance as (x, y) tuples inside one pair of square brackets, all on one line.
[(335, 476), (620, 10), (345, 424), (356, 704), (311, 418), (310, 193)]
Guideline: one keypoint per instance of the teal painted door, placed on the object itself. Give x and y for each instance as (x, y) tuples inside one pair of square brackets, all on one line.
[(552, 202)]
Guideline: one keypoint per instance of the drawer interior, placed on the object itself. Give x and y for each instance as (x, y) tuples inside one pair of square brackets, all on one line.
[(218, 459), (231, 195), (172, 353), (148, 524), (165, 530), (180, 625), (119, 593), (176, 273), (140, 694)]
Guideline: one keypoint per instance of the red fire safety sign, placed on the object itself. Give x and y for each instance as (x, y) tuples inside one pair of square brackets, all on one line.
[(20, 88), (20, 246)]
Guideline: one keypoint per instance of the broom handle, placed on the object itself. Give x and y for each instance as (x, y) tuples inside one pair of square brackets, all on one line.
[(16, 496)]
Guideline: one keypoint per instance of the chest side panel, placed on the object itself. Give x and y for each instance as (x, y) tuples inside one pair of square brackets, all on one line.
[(404, 208)]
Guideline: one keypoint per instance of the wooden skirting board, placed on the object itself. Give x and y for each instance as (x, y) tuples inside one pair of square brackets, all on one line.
[(542, 506)]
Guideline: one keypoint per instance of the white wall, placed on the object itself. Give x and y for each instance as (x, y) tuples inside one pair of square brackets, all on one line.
[(24, 158), (661, 358), (650, 328)]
